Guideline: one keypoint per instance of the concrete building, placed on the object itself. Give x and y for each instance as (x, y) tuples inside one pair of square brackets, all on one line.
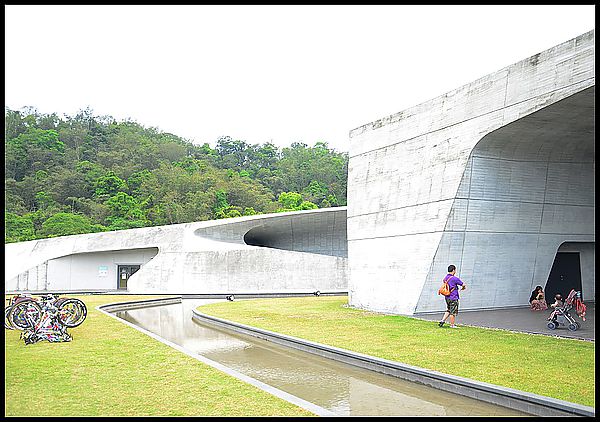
[(301, 251), (495, 177)]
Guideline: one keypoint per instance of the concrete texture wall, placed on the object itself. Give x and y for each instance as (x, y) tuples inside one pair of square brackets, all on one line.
[(317, 233), (492, 177), (525, 191), (80, 272), (201, 257)]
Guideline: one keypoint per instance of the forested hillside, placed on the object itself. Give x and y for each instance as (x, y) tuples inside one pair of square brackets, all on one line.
[(86, 173)]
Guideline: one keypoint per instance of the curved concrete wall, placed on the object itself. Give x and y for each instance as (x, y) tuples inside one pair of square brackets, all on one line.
[(201, 257), (315, 233), (320, 237), (528, 187), (491, 177)]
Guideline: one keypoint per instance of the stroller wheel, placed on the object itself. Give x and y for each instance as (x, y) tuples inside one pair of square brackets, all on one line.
[(573, 327), (552, 325)]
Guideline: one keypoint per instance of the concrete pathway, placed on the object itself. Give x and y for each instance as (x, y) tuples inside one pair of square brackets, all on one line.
[(522, 320)]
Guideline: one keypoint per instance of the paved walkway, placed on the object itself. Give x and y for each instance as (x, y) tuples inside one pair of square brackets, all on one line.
[(523, 320)]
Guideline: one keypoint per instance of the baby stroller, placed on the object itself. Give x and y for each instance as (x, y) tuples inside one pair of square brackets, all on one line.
[(561, 316)]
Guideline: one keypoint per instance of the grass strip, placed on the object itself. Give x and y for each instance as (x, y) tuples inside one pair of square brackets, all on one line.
[(111, 369), (555, 367)]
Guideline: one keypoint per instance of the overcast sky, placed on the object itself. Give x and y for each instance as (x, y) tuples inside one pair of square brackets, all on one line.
[(278, 74)]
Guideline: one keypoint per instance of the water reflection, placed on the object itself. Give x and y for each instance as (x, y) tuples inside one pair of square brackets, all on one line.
[(341, 388)]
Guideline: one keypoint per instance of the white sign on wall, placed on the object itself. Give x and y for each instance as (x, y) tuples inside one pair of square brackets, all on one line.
[(102, 271)]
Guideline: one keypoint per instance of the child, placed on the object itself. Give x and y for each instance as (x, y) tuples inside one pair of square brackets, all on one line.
[(558, 303)]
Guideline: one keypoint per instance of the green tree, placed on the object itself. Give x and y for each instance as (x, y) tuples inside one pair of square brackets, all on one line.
[(80, 164), (15, 159), (233, 153), (301, 165), (108, 185), (189, 164), (245, 192), (126, 212), (221, 205), (35, 149), (315, 192), (90, 171), (307, 205), (63, 224), (12, 200), (13, 123), (289, 200), (44, 200), (67, 183), (135, 180), (292, 201), (45, 139), (228, 212), (17, 228), (206, 154)]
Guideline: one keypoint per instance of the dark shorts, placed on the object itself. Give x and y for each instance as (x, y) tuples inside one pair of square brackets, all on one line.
[(452, 306)]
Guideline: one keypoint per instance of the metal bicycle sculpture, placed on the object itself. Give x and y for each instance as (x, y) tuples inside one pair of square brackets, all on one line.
[(26, 312)]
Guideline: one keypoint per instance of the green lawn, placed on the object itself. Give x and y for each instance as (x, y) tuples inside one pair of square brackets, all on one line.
[(110, 369), (549, 366)]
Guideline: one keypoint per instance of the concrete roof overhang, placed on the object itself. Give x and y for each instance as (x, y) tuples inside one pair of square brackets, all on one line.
[(560, 132)]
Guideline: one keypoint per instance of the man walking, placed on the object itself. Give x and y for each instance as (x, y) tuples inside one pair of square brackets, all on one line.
[(453, 297)]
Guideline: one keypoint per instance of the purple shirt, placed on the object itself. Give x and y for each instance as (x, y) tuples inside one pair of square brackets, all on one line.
[(453, 282)]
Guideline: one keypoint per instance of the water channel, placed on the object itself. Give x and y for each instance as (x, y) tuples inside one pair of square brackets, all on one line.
[(341, 388)]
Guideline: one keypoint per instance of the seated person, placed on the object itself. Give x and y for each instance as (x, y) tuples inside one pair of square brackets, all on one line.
[(558, 303), (537, 301)]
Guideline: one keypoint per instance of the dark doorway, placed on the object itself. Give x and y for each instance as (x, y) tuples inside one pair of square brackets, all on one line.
[(564, 276), (123, 274)]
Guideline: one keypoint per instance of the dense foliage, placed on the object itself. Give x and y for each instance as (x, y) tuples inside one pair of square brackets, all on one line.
[(86, 173)]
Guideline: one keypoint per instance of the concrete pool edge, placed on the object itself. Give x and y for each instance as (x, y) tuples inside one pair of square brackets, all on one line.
[(515, 399), (107, 309)]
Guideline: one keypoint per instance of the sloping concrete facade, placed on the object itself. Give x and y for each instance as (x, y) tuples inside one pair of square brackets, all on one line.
[(284, 252), (493, 177)]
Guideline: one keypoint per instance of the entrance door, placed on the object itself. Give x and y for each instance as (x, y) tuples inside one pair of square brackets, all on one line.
[(123, 274), (564, 276)]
